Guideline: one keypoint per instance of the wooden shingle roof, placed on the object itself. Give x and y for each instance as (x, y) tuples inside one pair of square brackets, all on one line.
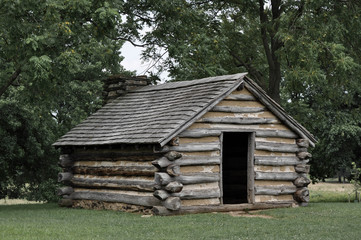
[(152, 114), (156, 114)]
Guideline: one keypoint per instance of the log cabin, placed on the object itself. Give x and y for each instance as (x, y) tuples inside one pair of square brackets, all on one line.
[(209, 145)]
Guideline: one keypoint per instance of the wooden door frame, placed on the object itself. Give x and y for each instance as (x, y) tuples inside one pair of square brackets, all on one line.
[(250, 164)]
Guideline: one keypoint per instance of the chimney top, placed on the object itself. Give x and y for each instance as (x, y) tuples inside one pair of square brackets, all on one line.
[(118, 85)]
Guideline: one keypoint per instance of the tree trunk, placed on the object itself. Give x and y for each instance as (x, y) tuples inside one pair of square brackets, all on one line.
[(271, 44)]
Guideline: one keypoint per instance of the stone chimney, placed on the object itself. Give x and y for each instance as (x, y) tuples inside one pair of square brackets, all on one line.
[(116, 86)]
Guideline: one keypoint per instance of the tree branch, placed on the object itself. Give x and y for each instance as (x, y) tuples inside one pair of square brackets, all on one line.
[(298, 14), (256, 75), (130, 41), (155, 62), (10, 80)]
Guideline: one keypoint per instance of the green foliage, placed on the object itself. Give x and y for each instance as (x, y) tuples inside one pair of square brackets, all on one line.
[(315, 45), (42, 221), (53, 56), (27, 160), (356, 181)]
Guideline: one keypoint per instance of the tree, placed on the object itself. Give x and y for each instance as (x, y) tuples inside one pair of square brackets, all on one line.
[(53, 55), (305, 54)]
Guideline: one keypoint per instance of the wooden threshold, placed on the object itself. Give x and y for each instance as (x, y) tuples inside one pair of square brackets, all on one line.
[(162, 211)]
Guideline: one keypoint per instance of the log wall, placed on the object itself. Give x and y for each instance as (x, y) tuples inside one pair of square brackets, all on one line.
[(280, 158), (117, 178)]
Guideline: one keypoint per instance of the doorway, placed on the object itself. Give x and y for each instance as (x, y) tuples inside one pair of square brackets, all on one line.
[(237, 167)]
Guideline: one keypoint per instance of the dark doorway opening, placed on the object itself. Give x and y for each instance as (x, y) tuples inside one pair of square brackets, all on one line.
[(234, 167)]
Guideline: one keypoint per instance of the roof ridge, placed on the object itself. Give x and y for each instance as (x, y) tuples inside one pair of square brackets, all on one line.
[(189, 83)]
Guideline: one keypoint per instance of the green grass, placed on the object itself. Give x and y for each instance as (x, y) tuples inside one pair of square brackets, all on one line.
[(331, 192), (48, 221), (329, 196)]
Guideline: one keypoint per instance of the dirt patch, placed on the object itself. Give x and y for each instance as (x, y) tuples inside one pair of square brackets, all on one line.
[(249, 215)]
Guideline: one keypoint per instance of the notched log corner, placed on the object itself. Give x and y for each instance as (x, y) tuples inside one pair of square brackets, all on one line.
[(65, 191), (304, 155), (174, 142), (65, 177), (65, 202), (301, 182), (173, 155), (65, 161), (172, 203), (174, 187), (302, 168), (303, 143), (173, 170), (302, 195)]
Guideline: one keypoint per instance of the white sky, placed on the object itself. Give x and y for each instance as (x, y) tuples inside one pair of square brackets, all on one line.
[(133, 62)]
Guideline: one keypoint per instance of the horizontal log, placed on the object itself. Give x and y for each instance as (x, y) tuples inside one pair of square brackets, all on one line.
[(174, 187), (193, 147), (187, 161), (278, 160), (276, 133), (65, 161), (275, 190), (240, 97), (162, 211), (234, 120), (172, 203), (278, 176), (119, 170), (304, 155), (190, 194), (199, 160), (163, 179), (302, 168), (302, 195), (65, 191), (65, 202), (116, 197), (301, 181), (115, 156), (199, 133), (233, 109), (278, 147), (65, 176), (114, 183), (304, 143), (173, 155)]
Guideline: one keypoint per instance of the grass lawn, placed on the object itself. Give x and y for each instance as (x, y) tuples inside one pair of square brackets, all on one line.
[(48, 221), (331, 192)]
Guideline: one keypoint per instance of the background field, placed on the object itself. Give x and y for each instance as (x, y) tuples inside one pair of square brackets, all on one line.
[(330, 192)]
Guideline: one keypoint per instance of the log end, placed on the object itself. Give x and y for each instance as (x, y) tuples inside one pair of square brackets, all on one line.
[(65, 202), (174, 187), (173, 155), (161, 194), (302, 195), (172, 203), (304, 143)]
